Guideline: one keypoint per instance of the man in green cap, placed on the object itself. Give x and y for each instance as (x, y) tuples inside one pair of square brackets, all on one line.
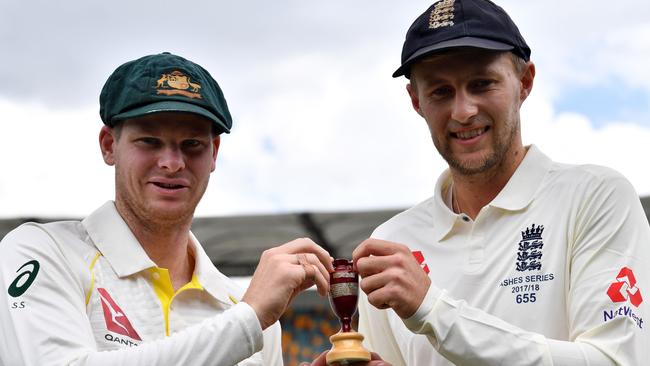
[(130, 284)]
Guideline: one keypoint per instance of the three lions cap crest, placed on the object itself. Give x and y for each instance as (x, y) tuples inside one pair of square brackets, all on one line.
[(162, 83)]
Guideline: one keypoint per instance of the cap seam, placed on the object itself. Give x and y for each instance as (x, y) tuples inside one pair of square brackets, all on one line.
[(464, 23)]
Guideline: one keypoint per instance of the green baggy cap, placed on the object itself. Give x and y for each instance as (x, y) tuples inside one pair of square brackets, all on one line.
[(162, 83)]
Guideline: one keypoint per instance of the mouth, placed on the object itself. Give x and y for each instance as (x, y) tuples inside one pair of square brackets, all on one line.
[(168, 185), (470, 134)]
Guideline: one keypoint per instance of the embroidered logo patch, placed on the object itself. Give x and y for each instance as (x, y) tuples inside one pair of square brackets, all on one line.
[(420, 258), (442, 14), (177, 83), (529, 254), (624, 288), (116, 320)]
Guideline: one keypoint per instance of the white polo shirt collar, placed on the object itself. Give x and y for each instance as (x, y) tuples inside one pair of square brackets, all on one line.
[(117, 244), (213, 281), (520, 189), (115, 240), (517, 194)]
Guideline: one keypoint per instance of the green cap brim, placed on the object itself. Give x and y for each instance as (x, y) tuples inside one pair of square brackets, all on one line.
[(171, 106)]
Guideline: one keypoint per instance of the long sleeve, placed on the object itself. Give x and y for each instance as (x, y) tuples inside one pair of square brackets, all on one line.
[(466, 336), (43, 319), (599, 240)]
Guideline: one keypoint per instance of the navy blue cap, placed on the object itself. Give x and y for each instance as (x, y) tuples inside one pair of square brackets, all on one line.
[(461, 23)]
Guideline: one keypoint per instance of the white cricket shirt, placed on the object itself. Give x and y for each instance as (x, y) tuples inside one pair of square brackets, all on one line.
[(86, 293), (554, 271)]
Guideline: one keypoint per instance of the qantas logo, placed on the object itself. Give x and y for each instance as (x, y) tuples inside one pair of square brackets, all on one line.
[(625, 288), (116, 320), (420, 258)]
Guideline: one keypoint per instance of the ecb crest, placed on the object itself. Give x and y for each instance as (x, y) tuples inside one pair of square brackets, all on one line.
[(529, 254)]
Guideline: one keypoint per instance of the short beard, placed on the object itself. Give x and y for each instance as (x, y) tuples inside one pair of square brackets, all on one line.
[(488, 162), (139, 212), (151, 219)]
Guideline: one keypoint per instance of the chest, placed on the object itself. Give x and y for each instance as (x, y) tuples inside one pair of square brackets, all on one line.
[(515, 267), (124, 312)]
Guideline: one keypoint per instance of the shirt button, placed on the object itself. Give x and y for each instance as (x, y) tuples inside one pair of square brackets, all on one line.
[(465, 218), (155, 276)]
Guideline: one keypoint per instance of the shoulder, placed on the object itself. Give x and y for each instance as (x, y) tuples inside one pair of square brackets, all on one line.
[(594, 196), (590, 179), (56, 241), (419, 215), (33, 233), (56, 252)]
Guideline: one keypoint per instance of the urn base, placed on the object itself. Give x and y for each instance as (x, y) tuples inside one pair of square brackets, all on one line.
[(347, 348)]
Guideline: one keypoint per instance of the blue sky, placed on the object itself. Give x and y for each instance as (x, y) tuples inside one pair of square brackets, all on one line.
[(607, 102), (319, 124)]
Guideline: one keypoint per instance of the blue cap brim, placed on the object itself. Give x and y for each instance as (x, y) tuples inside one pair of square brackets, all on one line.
[(452, 43)]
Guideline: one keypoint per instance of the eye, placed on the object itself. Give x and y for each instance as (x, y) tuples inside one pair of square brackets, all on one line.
[(481, 84), (148, 141), (441, 92), (192, 143)]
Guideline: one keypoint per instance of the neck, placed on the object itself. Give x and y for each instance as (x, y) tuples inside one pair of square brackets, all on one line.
[(166, 244), (473, 192)]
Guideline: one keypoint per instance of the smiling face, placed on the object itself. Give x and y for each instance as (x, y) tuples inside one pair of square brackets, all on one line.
[(470, 99), (162, 164)]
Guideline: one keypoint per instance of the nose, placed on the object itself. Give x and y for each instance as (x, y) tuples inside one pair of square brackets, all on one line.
[(171, 159), (464, 107)]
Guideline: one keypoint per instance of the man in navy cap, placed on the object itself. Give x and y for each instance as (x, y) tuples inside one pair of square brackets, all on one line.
[(130, 284), (516, 259)]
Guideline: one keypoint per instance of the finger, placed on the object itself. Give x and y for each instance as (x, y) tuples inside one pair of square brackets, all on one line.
[(372, 283), (318, 265), (320, 360), (380, 299), (322, 283), (376, 247), (306, 245), (375, 360), (367, 266), (315, 273), (378, 363)]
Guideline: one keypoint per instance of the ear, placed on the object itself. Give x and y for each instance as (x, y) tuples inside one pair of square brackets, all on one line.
[(216, 141), (415, 101), (526, 79), (107, 142)]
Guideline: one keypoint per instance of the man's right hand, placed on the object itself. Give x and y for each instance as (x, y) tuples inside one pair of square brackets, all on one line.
[(392, 277), (282, 273)]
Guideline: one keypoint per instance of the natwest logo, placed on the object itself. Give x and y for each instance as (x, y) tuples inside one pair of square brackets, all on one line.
[(625, 288), (116, 320)]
